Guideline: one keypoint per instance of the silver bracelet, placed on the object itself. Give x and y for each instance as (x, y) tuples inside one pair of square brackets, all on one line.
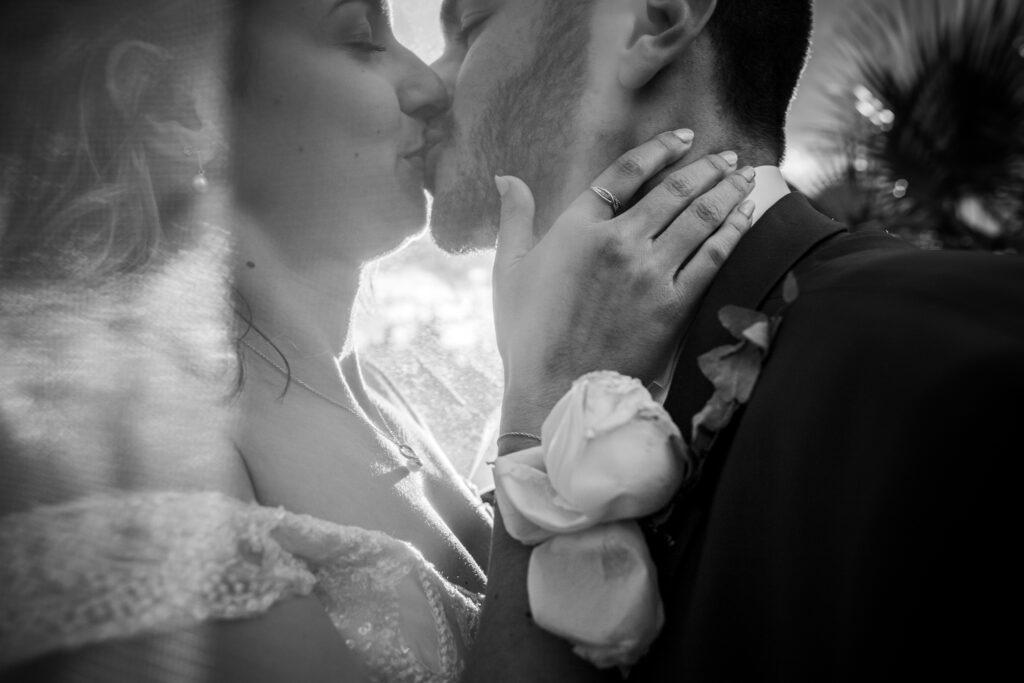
[(523, 435)]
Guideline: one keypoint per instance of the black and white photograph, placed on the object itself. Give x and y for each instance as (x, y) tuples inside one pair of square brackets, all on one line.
[(511, 341)]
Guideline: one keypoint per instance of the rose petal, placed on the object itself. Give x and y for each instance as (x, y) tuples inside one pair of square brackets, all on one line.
[(714, 416), (611, 451), (738, 320), (531, 509), (611, 400), (563, 432), (790, 288), (630, 472), (759, 334), (733, 370), (598, 589)]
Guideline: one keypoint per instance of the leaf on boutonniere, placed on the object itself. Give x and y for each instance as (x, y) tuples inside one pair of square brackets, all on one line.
[(734, 369), (790, 289)]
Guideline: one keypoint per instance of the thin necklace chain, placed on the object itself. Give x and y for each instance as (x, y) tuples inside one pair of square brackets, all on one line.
[(407, 451)]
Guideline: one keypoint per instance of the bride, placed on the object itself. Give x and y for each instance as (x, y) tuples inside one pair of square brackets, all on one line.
[(159, 522)]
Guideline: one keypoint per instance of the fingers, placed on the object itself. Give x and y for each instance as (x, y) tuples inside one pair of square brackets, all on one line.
[(630, 171), (515, 231), (704, 215), (693, 278), (678, 191)]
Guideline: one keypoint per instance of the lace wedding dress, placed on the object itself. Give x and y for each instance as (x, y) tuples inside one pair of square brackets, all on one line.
[(109, 567), (89, 380)]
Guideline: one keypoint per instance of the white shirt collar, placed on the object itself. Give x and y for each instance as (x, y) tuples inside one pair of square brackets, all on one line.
[(769, 188)]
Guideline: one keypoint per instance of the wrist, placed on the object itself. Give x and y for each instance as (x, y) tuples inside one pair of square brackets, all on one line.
[(513, 442), (524, 412)]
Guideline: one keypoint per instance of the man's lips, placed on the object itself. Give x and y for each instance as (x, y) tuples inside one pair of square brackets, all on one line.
[(435, 135), (432, 157)]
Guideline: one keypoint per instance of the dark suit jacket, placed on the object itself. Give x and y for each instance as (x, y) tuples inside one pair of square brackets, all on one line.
[(858, 519)]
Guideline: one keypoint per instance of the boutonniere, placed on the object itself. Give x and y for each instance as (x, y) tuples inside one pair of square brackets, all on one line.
[(734, 369)]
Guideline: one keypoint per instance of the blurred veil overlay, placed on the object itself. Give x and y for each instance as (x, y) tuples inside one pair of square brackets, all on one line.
[(102, 132), (114, 323)]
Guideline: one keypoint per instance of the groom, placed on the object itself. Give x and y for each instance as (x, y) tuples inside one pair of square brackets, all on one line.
[(854, 520)]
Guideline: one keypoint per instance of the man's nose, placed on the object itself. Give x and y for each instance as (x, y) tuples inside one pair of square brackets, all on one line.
[(447, 69), (423, 94)]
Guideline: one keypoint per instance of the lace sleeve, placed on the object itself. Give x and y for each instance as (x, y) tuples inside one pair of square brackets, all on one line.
[(114, 567)]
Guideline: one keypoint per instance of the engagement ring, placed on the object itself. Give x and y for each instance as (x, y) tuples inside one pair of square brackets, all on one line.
[(609, 198)]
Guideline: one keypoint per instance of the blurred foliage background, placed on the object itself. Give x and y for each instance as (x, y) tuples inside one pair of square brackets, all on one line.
[(910, 117), (923, 128)]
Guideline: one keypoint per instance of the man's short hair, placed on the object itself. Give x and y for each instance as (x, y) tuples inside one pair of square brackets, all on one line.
[(760, 47)]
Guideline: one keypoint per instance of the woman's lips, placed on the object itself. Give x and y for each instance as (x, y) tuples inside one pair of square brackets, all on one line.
[(417, 158), (425, 159), (417, 161)]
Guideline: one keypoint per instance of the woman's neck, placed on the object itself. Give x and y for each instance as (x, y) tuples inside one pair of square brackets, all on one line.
[(302, 305)]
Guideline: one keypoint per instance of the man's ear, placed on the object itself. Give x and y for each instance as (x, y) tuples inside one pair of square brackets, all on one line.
[(664, 30), (140, 81)]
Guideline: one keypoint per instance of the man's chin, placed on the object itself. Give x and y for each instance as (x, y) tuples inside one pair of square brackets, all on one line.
[(464, 212), (461, 232)]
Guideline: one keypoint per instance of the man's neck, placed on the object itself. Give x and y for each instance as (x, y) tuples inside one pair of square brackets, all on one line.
[(769, 188), (749, 155)]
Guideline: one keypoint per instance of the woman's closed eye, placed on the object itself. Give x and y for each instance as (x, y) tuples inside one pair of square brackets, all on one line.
[(363, 42), (361, 28)]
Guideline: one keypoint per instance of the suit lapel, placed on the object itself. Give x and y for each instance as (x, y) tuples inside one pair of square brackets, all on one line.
[(785, 234), (788, 232)]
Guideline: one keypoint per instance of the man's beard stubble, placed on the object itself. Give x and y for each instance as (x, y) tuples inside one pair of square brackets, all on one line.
[(526, 130)]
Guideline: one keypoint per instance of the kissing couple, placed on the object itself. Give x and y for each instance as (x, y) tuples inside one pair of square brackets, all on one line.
[(814, 422)]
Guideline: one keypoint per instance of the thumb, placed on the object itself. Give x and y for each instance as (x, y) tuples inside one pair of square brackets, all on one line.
[(515, 232)]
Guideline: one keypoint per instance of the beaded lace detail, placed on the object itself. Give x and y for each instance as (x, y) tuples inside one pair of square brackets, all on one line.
[(111, 567)]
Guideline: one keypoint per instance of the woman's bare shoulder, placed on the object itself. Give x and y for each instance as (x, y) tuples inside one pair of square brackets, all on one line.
[(98, 395)]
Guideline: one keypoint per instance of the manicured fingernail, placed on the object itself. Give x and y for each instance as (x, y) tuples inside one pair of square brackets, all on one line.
[(748, 173), (730, 157), (747, 208), (684, 134), (502, 184)]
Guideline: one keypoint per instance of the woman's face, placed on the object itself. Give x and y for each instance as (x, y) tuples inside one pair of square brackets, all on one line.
[(329, 128)]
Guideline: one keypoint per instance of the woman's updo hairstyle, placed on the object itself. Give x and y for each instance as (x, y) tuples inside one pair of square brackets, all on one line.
[(97, 101)]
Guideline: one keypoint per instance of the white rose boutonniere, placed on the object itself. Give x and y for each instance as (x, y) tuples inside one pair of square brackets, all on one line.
[(610, 453)]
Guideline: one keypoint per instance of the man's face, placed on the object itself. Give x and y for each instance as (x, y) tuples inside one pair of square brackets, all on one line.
[(517, 69)]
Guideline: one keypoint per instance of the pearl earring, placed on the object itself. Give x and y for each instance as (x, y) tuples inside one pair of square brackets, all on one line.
[(199, 182)]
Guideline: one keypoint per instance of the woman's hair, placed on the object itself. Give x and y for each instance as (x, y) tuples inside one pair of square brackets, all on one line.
[(79, 192)]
